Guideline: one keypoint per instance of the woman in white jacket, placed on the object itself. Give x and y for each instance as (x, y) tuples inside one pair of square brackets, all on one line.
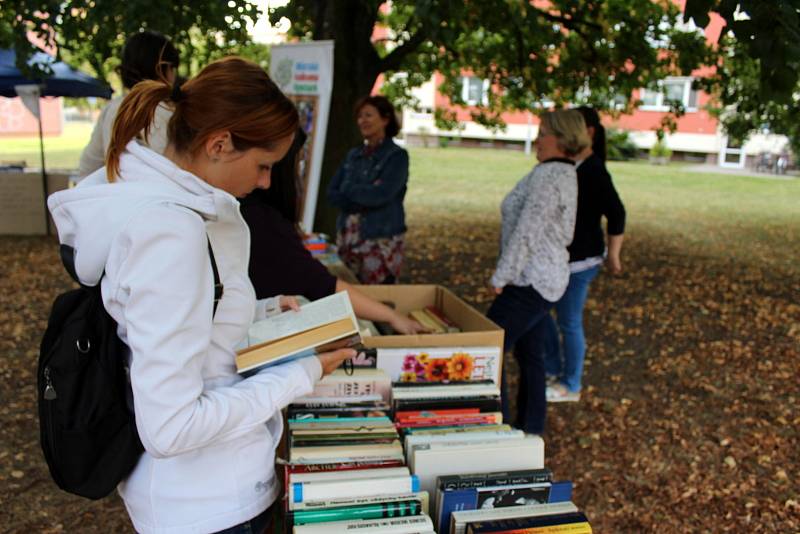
[(209, 435), (147, 55)]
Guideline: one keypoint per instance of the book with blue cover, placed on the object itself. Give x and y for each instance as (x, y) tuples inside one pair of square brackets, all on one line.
[(490, 497)]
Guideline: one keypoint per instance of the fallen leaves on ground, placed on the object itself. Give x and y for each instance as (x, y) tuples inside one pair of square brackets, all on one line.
[(688, 421)]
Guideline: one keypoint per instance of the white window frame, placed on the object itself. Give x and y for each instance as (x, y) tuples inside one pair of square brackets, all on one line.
[(660, 104), (484, 101)]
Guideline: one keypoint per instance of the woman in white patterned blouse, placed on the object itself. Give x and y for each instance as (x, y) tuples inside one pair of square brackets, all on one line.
[(533, 269)]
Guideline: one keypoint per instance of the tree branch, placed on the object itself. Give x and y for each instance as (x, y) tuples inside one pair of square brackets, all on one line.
[(396, 56)]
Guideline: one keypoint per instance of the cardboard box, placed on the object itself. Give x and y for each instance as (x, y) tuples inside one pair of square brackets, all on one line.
[(477, 330)]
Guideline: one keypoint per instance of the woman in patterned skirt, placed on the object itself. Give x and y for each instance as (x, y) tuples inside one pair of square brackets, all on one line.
[(369, 189)]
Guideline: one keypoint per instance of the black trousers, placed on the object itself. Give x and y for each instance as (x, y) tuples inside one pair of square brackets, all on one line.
[(520, 312)]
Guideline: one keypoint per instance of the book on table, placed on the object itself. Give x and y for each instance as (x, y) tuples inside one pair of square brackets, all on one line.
[(391, 525), (460, 520), (320, 326)]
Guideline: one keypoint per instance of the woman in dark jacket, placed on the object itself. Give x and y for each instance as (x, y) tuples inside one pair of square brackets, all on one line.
[(597, 198), (369, 189), (280, 263)]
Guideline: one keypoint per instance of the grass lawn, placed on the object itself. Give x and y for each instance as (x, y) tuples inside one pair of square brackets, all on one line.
[(715, 214), (61, 152)]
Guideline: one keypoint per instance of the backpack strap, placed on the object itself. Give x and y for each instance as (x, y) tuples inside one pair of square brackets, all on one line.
[(219, 289), (67, 254), (68, 259)]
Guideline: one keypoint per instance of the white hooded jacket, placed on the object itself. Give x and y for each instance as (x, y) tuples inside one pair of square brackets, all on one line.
[(209, 435)]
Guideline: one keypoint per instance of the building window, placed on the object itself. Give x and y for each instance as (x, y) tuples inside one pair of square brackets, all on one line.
[(669, 90), (474, 91)]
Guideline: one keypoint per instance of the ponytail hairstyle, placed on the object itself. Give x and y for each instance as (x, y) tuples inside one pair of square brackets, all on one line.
[(230, 94), (592, 119), (146, 56)]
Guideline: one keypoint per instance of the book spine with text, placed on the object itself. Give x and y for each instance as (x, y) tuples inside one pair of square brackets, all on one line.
[(474, 498), (497, 478), (328, 489), (369, 511), (396, 525), (339, 502), (572, 523)]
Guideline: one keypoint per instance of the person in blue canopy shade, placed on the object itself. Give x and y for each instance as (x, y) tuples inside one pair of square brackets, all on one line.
[(147, 55)]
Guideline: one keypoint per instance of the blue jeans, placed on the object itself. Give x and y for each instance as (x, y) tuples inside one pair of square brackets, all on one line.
[(520, 312), (569, 312), (260, 524)]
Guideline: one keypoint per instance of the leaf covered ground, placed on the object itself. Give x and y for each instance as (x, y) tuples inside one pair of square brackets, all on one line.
[(690, 418)]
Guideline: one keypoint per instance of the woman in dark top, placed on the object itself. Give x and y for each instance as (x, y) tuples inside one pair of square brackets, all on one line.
[(597, 198), (280, 264), (369, 189)]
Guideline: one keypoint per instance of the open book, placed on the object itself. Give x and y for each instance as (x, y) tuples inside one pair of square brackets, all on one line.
[(320, 326)]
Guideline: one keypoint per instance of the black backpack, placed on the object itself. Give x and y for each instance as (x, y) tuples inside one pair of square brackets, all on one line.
[(88, 432)]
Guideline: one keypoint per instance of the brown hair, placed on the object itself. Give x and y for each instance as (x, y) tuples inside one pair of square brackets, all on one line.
[(230, 94), (385, 110), (569, 128)]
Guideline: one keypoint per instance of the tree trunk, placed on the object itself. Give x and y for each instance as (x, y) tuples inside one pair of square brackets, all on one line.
[(355, 69)]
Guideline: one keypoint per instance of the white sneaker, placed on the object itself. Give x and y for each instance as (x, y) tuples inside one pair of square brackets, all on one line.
[(559, 393)]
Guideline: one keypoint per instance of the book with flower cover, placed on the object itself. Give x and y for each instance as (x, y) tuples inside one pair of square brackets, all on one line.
[(437, 364)]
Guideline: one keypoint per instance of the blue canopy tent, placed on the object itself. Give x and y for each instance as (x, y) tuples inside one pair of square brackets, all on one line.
[(64, 81)]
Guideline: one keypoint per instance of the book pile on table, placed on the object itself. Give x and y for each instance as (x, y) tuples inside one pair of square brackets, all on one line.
[(482, 475), (346, 470)]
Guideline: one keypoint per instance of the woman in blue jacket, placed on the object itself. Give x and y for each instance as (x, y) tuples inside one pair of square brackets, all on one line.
[(369, 189)]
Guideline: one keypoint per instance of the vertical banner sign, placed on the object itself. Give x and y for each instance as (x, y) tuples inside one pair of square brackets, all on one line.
[(304, 72)]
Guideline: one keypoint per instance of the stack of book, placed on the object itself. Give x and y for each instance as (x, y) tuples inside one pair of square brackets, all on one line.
[(434, 320), (346, 470), (468, 498), (316, 244), (448, 428), (478, 470)]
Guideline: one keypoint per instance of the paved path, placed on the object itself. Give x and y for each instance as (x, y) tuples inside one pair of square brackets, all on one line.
[(715, 169)]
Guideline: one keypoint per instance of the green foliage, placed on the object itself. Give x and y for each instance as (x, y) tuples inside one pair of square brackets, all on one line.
[(756, 82), (93, 31), (564, 52), (619, 146), (660, 151)]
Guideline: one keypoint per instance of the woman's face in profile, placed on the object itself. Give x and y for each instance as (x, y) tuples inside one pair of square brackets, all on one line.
[(547, 145), (370, 122)]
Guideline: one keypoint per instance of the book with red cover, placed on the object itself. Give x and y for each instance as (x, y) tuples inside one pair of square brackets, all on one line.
[(416, 414), (466, 419)]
